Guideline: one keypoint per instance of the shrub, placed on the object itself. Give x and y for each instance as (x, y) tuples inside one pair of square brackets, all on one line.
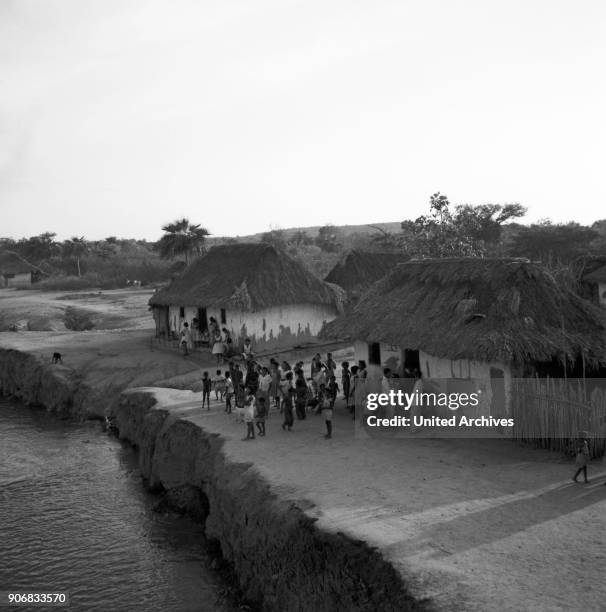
[(77, 319)]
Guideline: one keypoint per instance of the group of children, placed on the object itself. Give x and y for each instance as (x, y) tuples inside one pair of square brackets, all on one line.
[(250, 392)]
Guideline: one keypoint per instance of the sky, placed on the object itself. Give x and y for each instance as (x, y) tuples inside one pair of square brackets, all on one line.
[(119, 116)]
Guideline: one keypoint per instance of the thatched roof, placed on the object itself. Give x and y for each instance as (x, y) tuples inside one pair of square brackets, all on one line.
[(247, 276), (597, 276), (357, 270), (506, 310), (13, 263)]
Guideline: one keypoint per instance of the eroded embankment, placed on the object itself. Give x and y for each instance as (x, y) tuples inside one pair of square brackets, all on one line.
[(25, 377), (282, 560)]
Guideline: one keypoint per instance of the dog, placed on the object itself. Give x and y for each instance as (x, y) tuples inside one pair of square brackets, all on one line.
[(57, 358), (239, 413)]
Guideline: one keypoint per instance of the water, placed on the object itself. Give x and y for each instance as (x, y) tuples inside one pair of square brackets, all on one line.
[(75, 517)]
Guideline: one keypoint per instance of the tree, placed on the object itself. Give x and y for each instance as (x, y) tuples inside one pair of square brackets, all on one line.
[(38, 248), (301, 238), (553, 243), (468, 231), (275, 237), (329, 239), (182, 238), (76, 248)]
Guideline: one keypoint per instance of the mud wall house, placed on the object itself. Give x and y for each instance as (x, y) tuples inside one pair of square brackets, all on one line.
[(16, 271), (596, 283), (357, 270), (253, 290), (475, 323)]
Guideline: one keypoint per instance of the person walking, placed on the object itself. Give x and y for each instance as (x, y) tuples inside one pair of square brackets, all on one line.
[(582, 459)]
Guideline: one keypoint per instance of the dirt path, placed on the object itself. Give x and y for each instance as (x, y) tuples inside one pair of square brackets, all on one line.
[(474, 525)]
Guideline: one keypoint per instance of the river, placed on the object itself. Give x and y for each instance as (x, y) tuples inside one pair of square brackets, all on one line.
[(75, 517)]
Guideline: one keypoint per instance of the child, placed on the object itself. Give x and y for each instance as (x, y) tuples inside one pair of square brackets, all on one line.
[(582, 459), (229, 392), (261, 414), (218, 381), (326, 409), (332, 390), (206, 390), (249, 415)]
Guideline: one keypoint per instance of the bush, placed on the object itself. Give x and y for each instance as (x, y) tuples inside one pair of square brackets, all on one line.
[(78, 319), (69, 283)]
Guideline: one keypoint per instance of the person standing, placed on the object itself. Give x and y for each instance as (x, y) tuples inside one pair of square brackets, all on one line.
[(345, 382), (229, 392), (332, 390), (301, 392), (186, 339), (331, 366), (286, 390), (264, 386), (353, 390), (249, 415), (218, 347), (326, 409), (274, 390), (260, 416), (206, 386)]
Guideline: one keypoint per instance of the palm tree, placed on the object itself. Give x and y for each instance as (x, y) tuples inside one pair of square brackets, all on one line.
[(76, 247), (182, 238)]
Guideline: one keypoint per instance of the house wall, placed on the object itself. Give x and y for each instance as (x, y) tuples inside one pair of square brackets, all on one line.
[(19, 280), (440, 369), (276, 327)]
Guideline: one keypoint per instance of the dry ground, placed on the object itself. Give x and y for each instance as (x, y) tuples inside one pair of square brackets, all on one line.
[(475, 525), (109, 309)]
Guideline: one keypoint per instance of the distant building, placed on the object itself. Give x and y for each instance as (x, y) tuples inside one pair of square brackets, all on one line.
[(596, 281), (357, 270), (16, 271), (484, 321), (253, 290)]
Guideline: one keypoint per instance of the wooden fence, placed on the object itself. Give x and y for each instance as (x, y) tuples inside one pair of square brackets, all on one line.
[(554, 413)]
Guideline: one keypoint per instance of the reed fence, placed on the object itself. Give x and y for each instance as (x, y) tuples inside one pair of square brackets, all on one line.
[(554, 413)]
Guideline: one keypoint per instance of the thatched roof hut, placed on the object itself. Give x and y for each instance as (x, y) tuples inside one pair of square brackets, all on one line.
[(248, 276), (13, 263), (357, 270), (505, 310), (17, 271)]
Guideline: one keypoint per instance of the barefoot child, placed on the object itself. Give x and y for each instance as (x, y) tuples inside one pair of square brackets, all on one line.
[(326, 408), (261, 414), (206, 390), (218, 382), (249, 415)]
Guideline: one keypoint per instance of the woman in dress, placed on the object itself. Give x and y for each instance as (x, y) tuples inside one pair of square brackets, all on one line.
[(218, 347)]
